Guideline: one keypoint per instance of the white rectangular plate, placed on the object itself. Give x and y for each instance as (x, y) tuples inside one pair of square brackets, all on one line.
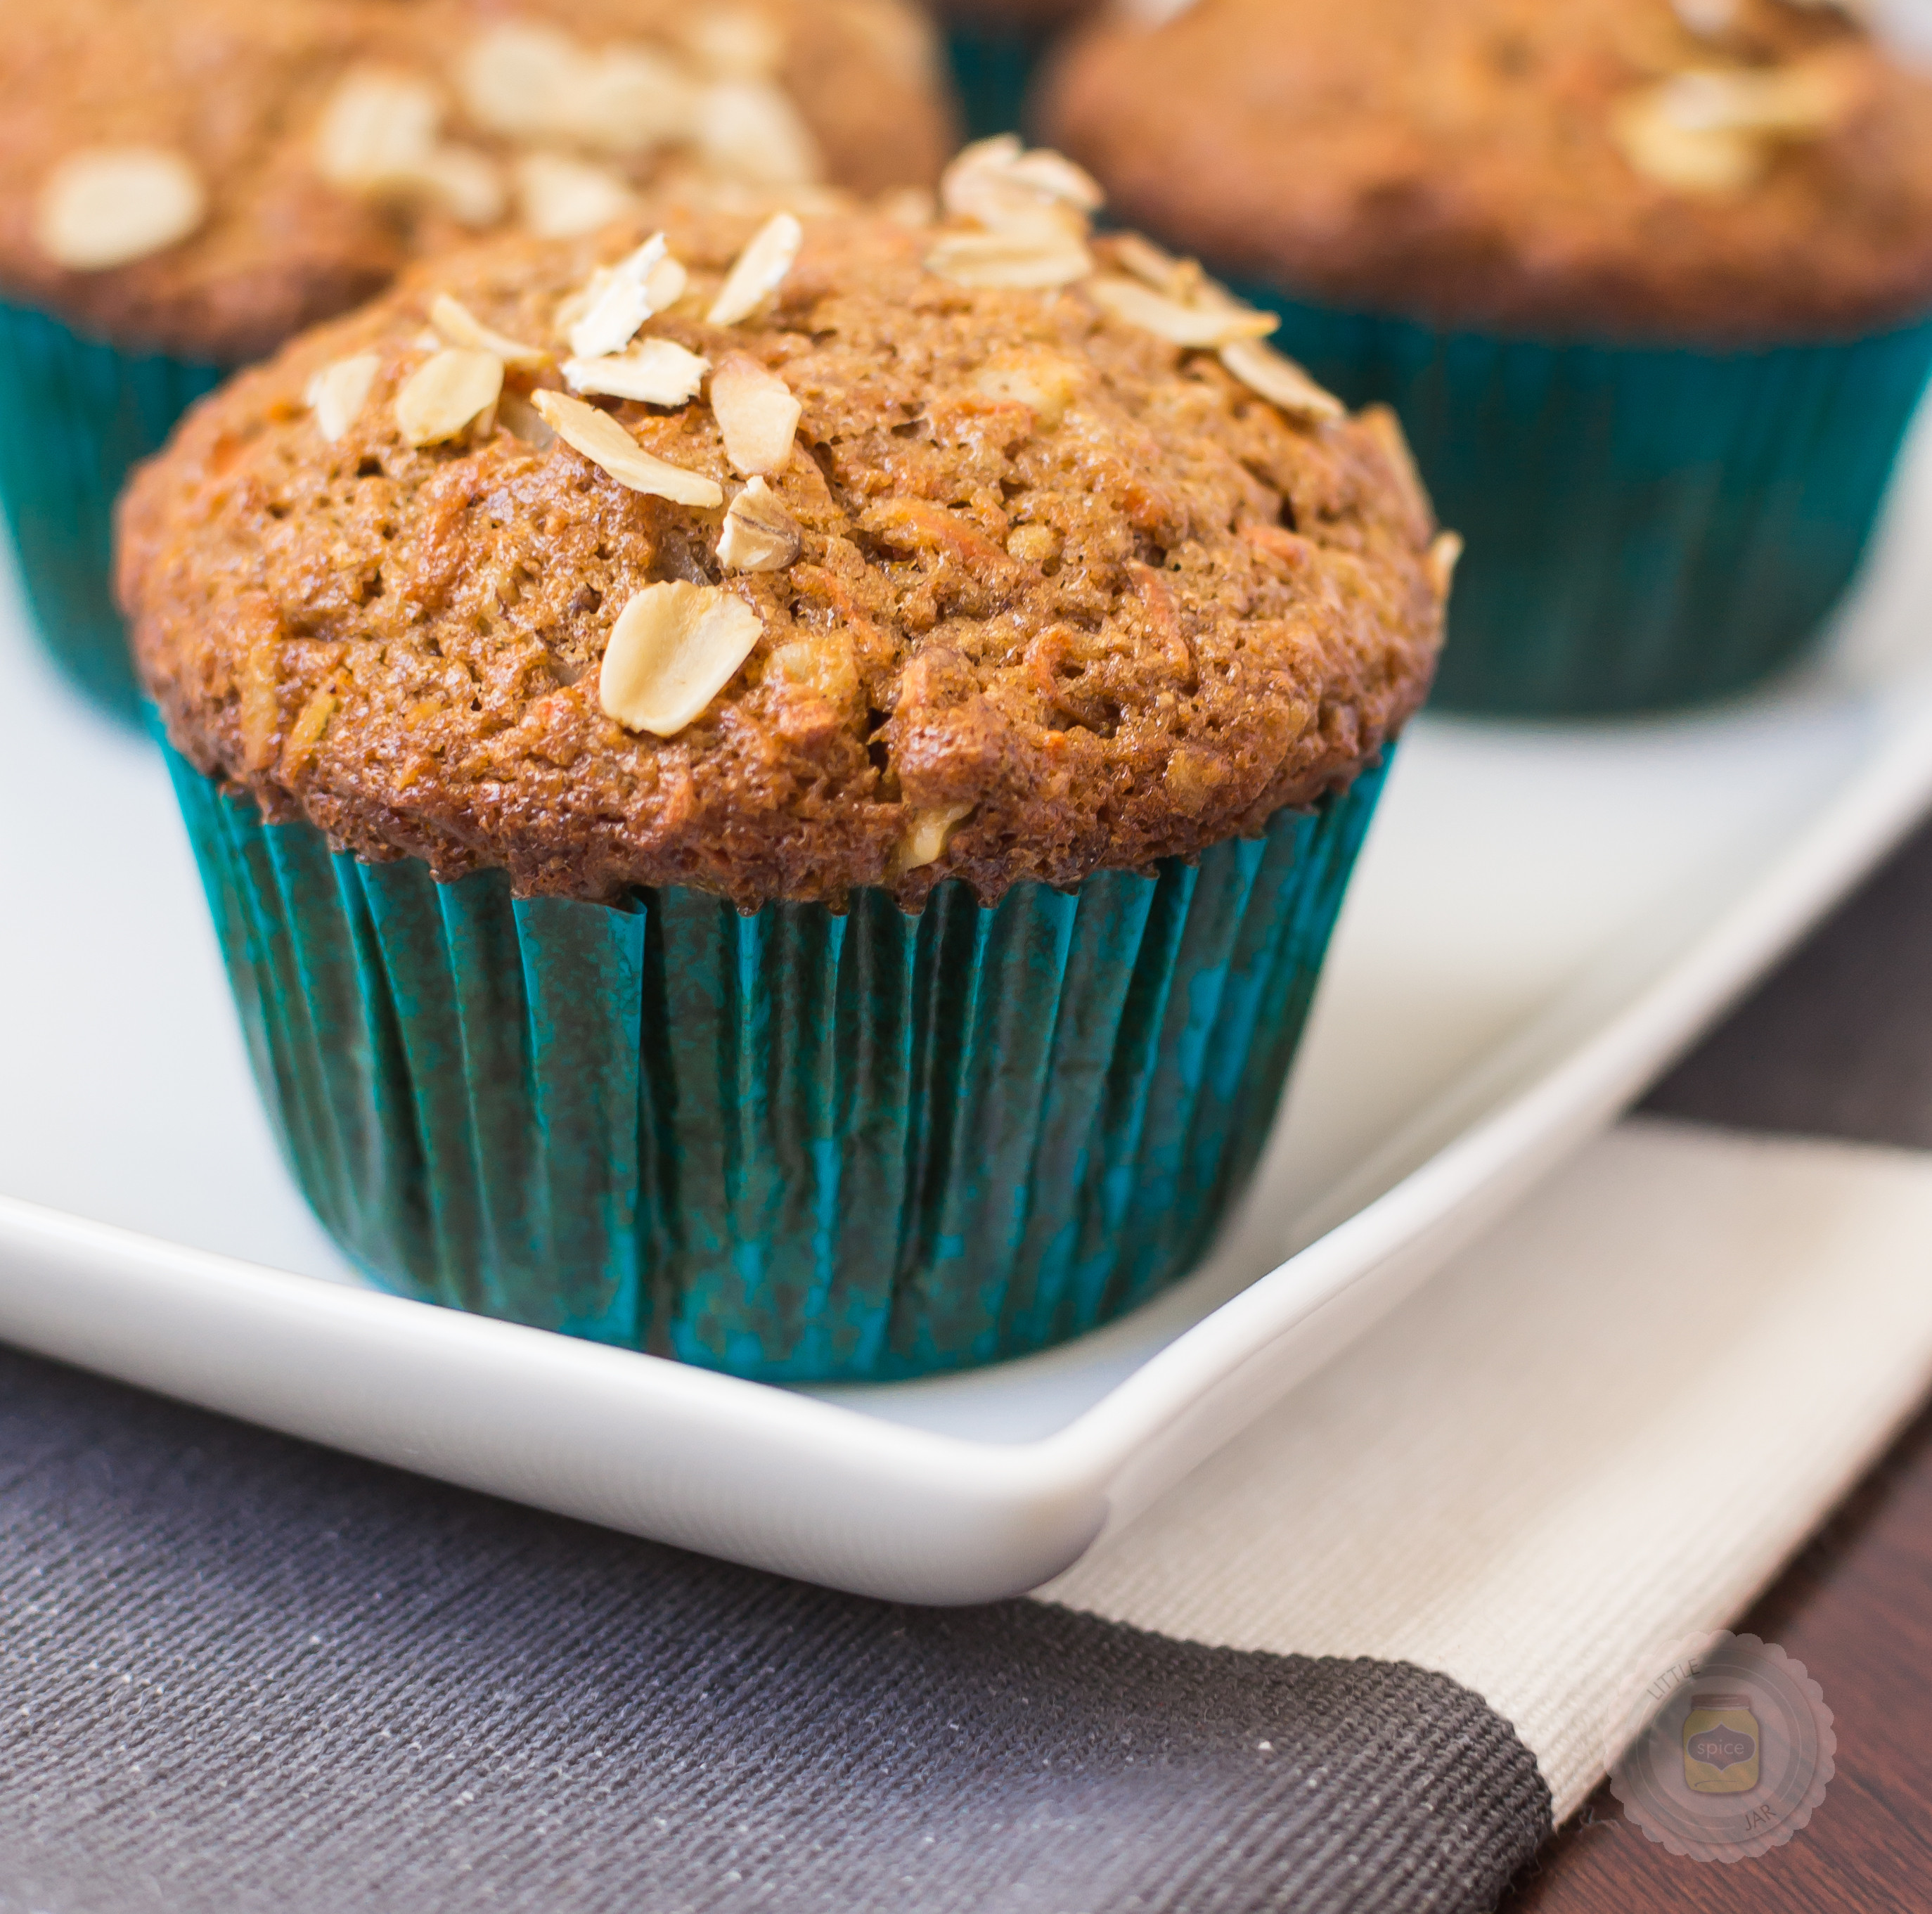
[(1543, 917)]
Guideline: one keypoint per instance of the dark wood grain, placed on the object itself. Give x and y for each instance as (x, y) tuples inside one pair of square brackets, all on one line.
[(1855, 1607)]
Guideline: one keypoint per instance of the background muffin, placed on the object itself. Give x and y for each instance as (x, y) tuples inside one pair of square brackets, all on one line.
[(902, 579), (191, 183), (1462, 206)]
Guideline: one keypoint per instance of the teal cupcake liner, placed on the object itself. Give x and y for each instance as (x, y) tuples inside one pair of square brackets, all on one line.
[(79, 414), (793, 1145), (993, 61), (1646, 526)]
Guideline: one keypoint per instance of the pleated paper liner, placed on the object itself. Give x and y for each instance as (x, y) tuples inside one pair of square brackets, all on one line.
[(793, 1145), (992, 62), (995, 48), (79, 413), (1647, 527)]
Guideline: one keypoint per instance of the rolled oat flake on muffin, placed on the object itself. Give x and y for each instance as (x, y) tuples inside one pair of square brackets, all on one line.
[(675, 646), (1042, 659), (557, 196), (758, 271), (336, 394), (757, 415), (459, 326), (613, 451), (1717, 130), (446, 394), (759, 534), (658, 371), (108, 206)]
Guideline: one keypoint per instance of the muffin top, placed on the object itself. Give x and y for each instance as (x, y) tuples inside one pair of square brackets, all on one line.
[(1708, 170), (207, 176), (776, 558)]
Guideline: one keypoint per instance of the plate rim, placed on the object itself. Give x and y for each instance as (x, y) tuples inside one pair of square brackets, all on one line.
[(1018, 1512)]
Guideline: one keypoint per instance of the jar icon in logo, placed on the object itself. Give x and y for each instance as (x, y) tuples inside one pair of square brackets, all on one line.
[(1721, 1745)]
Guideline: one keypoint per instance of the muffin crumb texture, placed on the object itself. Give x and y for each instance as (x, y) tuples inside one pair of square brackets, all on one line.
[(1707, 170), (910, 578)]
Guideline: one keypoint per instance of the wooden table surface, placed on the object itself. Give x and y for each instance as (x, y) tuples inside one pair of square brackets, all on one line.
[(1837, 1044), (1856, 1608)]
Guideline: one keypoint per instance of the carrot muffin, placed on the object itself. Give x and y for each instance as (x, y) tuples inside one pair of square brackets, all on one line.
[(653, 625), (184, 186), (1648, 283)]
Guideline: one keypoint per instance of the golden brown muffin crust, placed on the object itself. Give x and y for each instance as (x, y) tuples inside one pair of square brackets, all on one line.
[(1462, 160), (1096, 639), (239, 88)]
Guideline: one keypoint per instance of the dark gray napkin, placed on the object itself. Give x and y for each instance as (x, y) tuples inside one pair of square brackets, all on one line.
[(242, 1672), (239, 1673), (1838, 1041)]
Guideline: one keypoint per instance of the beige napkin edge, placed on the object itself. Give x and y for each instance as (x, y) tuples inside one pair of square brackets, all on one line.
[(1602, 1428)]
